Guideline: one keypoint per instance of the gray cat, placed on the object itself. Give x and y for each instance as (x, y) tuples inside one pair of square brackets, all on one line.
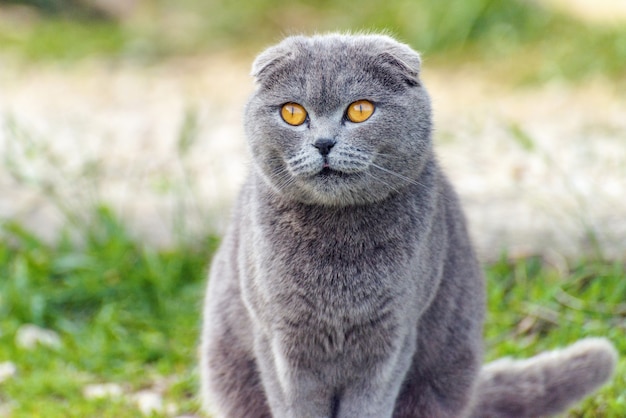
[(346, 285)]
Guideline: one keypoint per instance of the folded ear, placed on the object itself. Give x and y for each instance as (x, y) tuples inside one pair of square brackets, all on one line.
[(385, 50), (267, 59), (272, 58), (404, 59)]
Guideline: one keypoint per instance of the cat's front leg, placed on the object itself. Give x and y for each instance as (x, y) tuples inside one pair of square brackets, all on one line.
[(368, 401), (374, 394), (291, 392)]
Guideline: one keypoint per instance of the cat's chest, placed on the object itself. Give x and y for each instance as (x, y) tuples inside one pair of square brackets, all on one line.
[(336, 250), (338, 269), (327, 281)]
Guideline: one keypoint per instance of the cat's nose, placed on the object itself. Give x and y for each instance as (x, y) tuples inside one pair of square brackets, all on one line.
[(324, 145)]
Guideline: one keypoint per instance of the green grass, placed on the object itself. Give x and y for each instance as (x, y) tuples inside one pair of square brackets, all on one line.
[(64, 40), (126, 313), (517, 40), (129, 314)]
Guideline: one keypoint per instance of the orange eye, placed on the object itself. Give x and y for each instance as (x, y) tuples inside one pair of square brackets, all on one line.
[(293, 114), (360, 111)]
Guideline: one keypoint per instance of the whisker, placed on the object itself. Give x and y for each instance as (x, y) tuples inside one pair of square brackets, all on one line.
[(400, 176), (392, 187), (282, 177), (284, 181)]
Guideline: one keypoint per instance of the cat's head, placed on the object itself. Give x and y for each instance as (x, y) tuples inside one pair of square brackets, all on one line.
[(339, 119)]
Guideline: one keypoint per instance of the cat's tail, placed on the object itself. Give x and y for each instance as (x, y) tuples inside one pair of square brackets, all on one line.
[(546, 384)]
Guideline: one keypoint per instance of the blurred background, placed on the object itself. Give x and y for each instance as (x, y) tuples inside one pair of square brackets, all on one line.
[(121, 151), (137, 104)]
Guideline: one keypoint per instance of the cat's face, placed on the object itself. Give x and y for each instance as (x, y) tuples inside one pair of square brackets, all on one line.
[(339, 120)]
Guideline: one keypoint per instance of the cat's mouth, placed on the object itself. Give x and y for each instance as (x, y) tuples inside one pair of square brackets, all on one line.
[(327, 172)]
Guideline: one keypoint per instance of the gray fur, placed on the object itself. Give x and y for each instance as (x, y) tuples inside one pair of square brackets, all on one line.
[(356, 293)]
